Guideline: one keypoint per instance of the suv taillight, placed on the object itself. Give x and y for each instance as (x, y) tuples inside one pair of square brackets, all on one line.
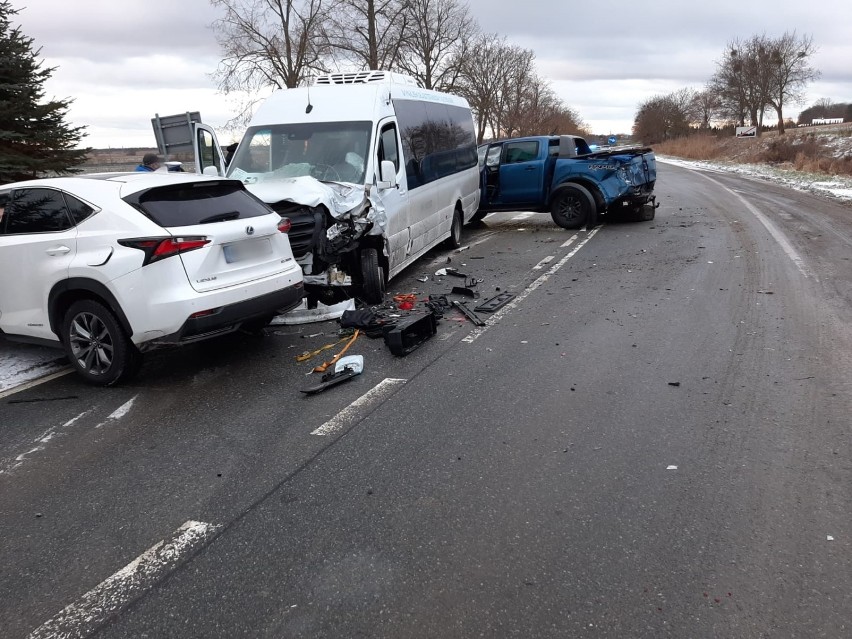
[(285, 225), (159, 248)]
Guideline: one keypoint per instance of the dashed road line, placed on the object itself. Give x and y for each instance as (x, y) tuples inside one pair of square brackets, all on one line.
[(83, 617), (352, 413), (494, 318), (119, 412), (541, 264), (40, 443)]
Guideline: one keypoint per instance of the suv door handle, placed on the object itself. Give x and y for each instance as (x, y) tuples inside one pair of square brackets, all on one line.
[(530, 168), (58, 250)]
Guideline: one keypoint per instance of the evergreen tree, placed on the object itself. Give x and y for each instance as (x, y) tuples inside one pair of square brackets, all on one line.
[(35, 140)]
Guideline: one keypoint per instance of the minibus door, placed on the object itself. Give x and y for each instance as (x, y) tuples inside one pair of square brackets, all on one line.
[(394, 199)]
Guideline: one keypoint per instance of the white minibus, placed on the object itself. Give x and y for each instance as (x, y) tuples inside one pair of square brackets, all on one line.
[(372, 170)]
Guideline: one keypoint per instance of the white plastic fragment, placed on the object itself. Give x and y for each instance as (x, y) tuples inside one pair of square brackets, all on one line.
[(829, 538), (672, 467)]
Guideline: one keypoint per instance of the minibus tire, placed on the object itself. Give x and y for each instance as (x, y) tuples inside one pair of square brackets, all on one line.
[(455, 241), (372, 277)]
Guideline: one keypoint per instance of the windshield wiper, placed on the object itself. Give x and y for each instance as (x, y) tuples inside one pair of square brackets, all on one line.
[(220, 217)]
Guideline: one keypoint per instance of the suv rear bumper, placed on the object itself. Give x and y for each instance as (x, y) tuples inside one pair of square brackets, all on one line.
[(227, 319)]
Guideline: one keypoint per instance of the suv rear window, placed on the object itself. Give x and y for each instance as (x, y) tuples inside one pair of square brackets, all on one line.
[(198, 203)]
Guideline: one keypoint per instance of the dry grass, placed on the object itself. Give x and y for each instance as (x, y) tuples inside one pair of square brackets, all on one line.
[(695, 147), (810, 150)]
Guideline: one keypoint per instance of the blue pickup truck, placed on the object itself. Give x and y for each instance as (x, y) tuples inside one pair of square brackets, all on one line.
[(562, 175)]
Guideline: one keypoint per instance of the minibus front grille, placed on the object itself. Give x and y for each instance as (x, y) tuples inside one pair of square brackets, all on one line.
[(307, 224)]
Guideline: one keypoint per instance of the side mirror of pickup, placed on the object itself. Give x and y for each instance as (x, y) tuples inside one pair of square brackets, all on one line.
[(387, 175)]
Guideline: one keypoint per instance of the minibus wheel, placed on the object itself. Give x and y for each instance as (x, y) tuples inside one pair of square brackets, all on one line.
[(455, 239), (372, 277)]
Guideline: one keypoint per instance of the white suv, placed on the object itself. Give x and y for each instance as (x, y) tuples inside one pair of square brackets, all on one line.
[(110, 265)]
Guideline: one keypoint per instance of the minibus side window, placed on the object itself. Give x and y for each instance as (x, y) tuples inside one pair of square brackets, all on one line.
[(388, 146)]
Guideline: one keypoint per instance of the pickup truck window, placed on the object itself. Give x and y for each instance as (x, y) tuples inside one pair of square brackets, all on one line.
[(525, 151), (493, 158)]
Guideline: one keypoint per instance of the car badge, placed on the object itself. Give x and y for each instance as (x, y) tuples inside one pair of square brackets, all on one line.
[(249, 230)]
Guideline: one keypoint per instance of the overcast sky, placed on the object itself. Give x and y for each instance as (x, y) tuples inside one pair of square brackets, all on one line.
[(122, 61)]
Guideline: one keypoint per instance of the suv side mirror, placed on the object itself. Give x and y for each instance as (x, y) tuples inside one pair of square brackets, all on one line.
[(387, 175)]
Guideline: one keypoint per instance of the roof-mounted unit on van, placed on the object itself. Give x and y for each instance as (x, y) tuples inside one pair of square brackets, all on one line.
[(365, 77)]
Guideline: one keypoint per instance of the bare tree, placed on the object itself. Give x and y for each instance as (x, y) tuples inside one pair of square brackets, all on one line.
[(763, 72), (479, 78), (664, 117), (706, 107), (269, 43), (516, 73), (742, 80), (506, 95), (367, 34), (438, 36), (542, 112), (790, 71)]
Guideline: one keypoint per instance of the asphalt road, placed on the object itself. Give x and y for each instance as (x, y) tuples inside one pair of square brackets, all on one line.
[(652, 440)]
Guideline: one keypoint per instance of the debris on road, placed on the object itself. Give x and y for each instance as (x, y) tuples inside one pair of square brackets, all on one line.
[(494, 303), (410, 333), (324, 366), (463, 290), (344, 370), (469, 313)]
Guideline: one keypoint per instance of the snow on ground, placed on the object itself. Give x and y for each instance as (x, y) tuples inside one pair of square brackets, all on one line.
[(22, 363), (838, 187)]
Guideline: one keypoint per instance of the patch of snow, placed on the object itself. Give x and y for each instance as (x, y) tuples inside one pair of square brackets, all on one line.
[(22, 363), (839, 187)]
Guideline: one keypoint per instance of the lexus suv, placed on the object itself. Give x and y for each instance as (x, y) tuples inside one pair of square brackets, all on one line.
[(108, 266)]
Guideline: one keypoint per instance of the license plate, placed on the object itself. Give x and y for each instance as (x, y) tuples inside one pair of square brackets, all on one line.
[(241, 251)]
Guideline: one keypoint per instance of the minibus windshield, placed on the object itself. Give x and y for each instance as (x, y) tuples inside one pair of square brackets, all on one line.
[(327, 151)]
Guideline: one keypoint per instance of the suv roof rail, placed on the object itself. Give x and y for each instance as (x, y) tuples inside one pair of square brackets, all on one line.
[(366, 77)]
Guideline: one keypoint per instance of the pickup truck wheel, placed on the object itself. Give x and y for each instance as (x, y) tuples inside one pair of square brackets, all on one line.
[(372, 277), (455, 240), (572, 207)]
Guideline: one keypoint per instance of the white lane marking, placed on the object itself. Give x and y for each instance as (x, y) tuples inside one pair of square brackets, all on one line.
[(119, 412), (773, 230), (35, 382), (484, 238), (349, 414), (44, 438), (541, 264), (671, 467), (495, 317), (569, 241), (83, 617)]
